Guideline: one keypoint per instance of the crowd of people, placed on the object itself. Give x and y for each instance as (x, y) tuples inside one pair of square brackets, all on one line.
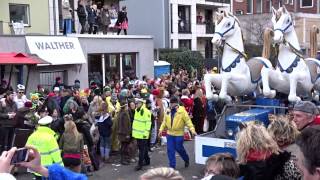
[(83, 128), (93, 19)]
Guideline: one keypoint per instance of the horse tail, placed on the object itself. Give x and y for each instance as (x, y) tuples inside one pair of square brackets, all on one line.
[(267, 39), (313, 41)]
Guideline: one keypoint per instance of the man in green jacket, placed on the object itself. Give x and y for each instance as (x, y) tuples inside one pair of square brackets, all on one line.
[(43, 139), (141, 132)]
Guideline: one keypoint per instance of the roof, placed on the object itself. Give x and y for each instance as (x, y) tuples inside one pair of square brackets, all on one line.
[(161, 63), (20, 59)]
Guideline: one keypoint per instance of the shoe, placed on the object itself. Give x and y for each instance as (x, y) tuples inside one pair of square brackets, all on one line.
[(125, 163), (146, 163), (186, 164), (138, 168)]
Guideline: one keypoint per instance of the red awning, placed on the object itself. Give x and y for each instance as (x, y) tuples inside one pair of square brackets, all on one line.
[(20, 59)]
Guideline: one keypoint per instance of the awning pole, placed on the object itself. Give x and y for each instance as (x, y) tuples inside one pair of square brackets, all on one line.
[(9, 82), (27, 81), (103, 70), (121, 73)]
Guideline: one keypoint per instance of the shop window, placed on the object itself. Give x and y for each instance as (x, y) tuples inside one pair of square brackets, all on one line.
[(306, 3), (20, 13), (113, 61), (129, 65), (48, 79)]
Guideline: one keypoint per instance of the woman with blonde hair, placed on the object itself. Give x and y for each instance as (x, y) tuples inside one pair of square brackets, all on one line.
[(161, 173), (71, 144), (285, 132), (259, 156)]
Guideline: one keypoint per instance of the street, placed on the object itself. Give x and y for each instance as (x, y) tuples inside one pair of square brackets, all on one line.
[(115, 171)]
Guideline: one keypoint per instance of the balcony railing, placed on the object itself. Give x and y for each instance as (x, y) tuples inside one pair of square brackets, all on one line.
[(209, 28), (220, 1)]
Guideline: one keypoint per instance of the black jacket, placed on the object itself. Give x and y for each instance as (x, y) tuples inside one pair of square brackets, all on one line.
[(265, 170)]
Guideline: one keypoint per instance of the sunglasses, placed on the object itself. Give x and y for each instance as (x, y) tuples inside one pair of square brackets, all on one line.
[(21, 92)]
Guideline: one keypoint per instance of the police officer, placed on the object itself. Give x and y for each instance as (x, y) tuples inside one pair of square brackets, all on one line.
[(43, 139), (141, 132)]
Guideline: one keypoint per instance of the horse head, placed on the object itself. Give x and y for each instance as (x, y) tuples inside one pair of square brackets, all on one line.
[(225, 26), (282, 23)]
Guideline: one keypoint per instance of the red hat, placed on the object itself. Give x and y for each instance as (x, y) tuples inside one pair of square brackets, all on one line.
[(28, 104), (51, 94), (156, 92)]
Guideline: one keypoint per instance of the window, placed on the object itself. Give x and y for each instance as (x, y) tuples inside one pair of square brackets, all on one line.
[(239, 12), (291, 2), (184, 20), (249, 6), (186, 43), (113, 61), (128, 60), (259, 6), (306, 3), (19, 12)]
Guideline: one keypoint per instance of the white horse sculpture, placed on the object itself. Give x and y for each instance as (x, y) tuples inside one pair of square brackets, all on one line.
[(292, 74), (236, 78)]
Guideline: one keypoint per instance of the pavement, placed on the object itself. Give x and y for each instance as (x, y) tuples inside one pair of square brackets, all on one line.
[(116, 171)]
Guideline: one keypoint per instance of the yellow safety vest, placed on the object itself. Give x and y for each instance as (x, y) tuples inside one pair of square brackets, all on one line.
[(141, 124), (43, 139)]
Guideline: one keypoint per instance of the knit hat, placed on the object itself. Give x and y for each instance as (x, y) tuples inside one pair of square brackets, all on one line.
[(306, 107), (106, 89), (156, 92)]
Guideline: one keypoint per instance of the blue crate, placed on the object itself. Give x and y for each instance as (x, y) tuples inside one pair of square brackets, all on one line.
[(267, 102), (233, 121)]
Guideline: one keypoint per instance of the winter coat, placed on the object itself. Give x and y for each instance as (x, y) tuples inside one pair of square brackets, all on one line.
[(81, 11), (5, 108), (180, 120), (124, 126), (84, 128), (92, 15), (122, 16), (273, 168), (66, 10), (187, 103), (105, 125), (105, 17), (71, 145), (57, 125)]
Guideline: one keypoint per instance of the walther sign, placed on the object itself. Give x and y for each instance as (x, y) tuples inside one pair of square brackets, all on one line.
[(56, 50)]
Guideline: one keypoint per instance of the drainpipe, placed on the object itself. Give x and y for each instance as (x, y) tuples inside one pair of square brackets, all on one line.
[(54, 18)]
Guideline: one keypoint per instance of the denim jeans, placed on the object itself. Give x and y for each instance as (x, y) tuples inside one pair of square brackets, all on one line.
[(105, 146), (67, 26)]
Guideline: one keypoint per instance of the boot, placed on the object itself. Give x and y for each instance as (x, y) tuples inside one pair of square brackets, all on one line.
[(138, 168), (123, 161)]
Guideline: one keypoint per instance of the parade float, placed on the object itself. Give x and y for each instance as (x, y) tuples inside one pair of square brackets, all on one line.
[(294, 76)]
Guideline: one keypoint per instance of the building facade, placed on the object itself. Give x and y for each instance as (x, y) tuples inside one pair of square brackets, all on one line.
[(176, 23), (255, 16), (33, 14)]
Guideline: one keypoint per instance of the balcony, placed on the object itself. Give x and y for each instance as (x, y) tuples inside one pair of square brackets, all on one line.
[(205, 28), (220, 1)]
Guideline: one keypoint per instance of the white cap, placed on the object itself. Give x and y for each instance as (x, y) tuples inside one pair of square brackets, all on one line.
[(21, 87), (45, 120), (56, 89)]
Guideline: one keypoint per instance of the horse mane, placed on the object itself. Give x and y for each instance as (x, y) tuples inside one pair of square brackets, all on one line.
[(267, 39), (313, 41)]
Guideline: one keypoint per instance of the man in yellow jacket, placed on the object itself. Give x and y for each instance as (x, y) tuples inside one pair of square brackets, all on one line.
[(141, 131), (174, 122), (43, 139)]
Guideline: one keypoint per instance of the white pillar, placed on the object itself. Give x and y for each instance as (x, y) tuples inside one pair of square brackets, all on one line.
[(121, 73), (103, 62)]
